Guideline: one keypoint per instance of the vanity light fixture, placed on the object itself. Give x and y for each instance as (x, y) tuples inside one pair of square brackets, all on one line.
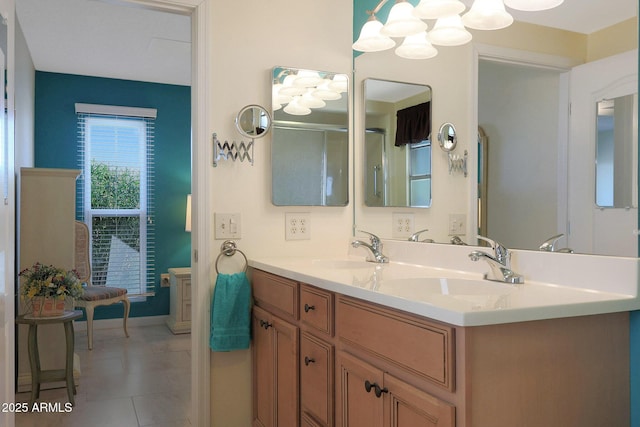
[(402, 22), (449, 28), (298, 91), (416, 46), (533, 5), (487, 15)]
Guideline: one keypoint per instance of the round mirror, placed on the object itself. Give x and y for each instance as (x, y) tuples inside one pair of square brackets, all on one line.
[(253, 121), (447, 137)]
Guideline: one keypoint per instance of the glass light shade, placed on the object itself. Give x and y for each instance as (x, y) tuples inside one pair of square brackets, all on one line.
[(340, 82), (275, 107), (307, 78), (533, 5), (402, 22), (288, 89), (277, 97), (416, 46), (487, 15), (449, 31), (310, 101), (434, 9), (371, 39), (325, 93), (294, 108)]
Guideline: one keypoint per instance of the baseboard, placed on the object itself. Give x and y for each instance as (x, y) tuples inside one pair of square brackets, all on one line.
[(81, 325)]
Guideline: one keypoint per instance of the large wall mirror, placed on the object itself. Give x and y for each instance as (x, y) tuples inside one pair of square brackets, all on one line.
[(616, 154), (397, 144), (310, 138)]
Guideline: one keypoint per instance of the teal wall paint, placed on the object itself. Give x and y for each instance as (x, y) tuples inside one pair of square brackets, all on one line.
[(56, 147)]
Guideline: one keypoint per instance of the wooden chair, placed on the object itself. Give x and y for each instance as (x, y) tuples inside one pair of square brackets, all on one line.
[(94, 296)]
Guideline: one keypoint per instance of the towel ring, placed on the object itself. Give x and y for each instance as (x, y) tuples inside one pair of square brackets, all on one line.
[(229, 248)]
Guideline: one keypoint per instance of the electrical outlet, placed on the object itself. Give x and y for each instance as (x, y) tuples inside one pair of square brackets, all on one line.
[(227, 226), (297, 226), (457, 224), (402, 225), (165, 282)]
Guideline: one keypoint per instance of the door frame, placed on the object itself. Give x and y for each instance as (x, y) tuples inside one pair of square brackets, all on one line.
[(201, 151)]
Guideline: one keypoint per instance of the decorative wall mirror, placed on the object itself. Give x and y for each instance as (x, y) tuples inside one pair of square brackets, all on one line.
[(310, 140), (253, 121), (616, 153), (397, 151)]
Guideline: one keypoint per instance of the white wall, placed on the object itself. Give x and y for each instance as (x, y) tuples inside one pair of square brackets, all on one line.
[(247, 40), (25, 101)]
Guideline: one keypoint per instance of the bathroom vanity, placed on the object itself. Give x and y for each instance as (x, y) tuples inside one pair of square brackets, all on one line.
[(342, 342)]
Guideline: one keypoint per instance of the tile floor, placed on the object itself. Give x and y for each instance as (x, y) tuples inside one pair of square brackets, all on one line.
[(143, 380)]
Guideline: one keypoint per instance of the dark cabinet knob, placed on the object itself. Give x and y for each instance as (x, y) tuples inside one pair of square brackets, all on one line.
[(308, 308), (368, 386), (379, 390), (308, 360), (264, 324)]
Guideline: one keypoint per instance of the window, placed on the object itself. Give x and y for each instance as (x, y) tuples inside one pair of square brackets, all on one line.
[(115, 195), (420, 174)]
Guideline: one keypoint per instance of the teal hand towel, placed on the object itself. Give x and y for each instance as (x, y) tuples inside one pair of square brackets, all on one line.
[(231, 313)]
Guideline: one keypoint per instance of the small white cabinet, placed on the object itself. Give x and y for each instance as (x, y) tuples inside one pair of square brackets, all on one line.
[(180, 300)]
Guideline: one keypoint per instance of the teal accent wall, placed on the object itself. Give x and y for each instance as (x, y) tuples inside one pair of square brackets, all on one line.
[(56, 147)]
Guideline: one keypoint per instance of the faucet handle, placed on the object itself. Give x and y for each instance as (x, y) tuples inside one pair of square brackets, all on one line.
[(375, 240), (500, 251), (415, 236), (549, 245)]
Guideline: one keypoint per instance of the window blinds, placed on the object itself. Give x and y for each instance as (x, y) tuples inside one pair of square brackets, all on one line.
[(115, 194)]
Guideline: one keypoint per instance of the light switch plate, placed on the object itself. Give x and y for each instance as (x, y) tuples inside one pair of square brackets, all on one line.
[(227, 225)]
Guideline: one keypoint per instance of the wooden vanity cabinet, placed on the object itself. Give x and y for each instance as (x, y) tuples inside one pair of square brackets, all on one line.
[(351, 363)]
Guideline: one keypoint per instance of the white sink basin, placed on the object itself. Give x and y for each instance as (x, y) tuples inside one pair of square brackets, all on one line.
[(443, 286), (342, 264)]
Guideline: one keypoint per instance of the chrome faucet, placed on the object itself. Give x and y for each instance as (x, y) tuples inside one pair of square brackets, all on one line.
[(375, 247), (415, 237), (456, 240), (549, 245), (499, 263)]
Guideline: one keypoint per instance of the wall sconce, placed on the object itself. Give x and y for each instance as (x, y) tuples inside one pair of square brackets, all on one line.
[(187, 224)]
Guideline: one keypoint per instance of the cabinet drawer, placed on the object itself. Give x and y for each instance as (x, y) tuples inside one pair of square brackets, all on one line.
[(425, 349), (316, 309), (316, 378), (276, 294), (186, 289)]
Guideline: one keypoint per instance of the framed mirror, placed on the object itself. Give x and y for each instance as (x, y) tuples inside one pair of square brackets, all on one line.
[(310, 138), (616, 154), (253, 121), (397, 144)]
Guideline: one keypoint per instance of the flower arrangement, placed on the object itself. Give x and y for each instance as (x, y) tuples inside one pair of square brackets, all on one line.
[(49, 281)]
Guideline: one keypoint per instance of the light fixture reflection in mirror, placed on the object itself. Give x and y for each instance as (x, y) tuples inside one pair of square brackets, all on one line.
[(397, 170), (616, 153), (310, 138)]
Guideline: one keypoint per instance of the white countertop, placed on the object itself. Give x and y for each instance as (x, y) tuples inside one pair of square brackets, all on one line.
[(457, 297)]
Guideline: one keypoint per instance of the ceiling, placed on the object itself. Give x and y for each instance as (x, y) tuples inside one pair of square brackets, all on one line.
[(104, 39)]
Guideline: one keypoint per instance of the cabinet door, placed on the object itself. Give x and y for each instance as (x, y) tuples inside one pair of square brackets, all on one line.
[(263, 370), (407, 406), (285, 338), (275, 371), (357, 404), (316, 378)]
